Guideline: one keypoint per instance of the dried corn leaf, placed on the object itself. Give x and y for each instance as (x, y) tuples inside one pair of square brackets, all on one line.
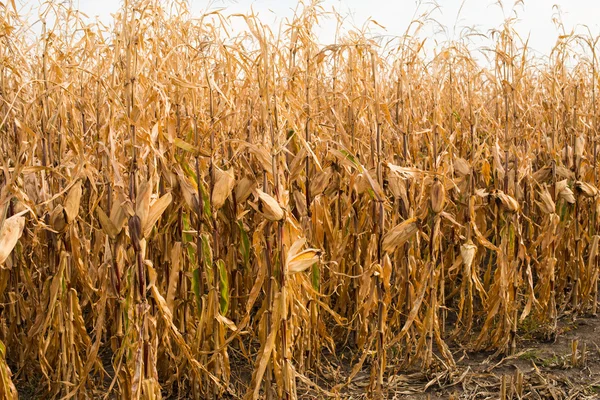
[(154, 213), (107, 225)]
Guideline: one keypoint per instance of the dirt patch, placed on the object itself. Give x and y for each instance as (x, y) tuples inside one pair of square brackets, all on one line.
[(540, 369), (565, 368)]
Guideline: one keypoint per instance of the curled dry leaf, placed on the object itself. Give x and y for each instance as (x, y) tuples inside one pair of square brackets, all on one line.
[(361, 184), (593, 251), (481, 193), (155, 211), (11, 231), (263, 157), (189, 191), (395, 185), (176, 258), (542, 174), (405, 172), (107, 225), (374, 185), (560, 185), (118, 214), (300, 202), (334, 184), (564, 172), (8, 388), (296, 167), (227, 322), (321, 181)]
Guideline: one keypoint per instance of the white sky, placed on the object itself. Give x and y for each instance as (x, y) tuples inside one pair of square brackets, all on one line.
[(535, 16)]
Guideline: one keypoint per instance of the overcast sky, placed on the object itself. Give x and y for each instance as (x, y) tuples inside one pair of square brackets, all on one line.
[(535, 16)]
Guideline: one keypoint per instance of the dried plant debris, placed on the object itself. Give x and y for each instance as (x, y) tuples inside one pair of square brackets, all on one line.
[(185, 212)]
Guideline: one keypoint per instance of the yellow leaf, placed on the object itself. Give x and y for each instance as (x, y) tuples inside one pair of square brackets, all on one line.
[(227, 322), (486, 171)]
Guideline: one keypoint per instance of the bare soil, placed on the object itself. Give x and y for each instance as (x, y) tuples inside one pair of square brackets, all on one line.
[(540, 369)]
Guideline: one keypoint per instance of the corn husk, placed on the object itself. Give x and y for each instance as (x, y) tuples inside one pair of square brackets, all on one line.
[(547, 204), (224, 183), (564, 192), (58, 219), (508, 202), (579, 145), (10, 232), (269, 206), (244, 189), (462, 167), (72, 202), (587, 189), (467, 253), (438, 196), (399, 234)]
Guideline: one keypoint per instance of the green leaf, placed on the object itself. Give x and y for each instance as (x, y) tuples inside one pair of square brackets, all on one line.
[(245, 245), (224, 287), (182, 144), (188, 170), (350, 157), (186, 237), (316, 277), (205, 201), (207, 257), (196, 288)]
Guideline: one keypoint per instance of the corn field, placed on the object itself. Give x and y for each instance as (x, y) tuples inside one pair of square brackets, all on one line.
[(188, 212)]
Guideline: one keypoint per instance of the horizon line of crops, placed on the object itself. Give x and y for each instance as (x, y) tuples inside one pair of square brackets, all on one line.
[(184, 211)]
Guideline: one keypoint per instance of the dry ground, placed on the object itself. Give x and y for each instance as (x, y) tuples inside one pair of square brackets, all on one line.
[(547, 369)]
